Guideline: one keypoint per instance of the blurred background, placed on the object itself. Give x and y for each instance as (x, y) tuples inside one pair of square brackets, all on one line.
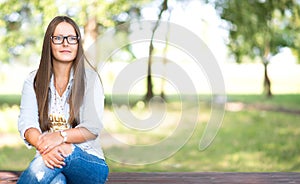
[(256, 44)]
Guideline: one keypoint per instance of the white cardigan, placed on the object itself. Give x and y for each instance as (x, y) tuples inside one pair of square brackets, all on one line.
[(91, 111)]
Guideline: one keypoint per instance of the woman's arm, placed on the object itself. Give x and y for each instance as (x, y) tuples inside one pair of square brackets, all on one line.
[(32, 136), (46, 142), (28, 121), (92, 109), (79, 135)]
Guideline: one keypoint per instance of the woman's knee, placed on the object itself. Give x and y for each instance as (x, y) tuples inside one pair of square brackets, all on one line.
[(35, 171), (38, 172)]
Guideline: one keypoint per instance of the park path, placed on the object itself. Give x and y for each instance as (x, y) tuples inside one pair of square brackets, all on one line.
[(10, 139), (239, 106)]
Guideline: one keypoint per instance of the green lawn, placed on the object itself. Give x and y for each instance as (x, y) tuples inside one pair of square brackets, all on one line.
[(248, 141), (251, 140)]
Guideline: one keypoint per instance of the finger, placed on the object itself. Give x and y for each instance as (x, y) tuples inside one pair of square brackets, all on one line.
[(56, 163), (48, 164), (62, 152), (60, 164), (53, 163), (42, 149), (47, 149), (59, 156)]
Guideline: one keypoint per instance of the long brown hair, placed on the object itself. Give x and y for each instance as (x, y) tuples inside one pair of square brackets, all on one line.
[(45, 70)]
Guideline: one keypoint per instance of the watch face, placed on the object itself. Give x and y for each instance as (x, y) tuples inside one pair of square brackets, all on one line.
[(64, 134)]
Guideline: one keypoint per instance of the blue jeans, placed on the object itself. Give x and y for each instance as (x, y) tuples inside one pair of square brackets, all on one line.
[(81, 167)]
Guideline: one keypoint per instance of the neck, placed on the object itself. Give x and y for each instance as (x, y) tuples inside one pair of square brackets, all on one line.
[(61, 70), (61, 77)]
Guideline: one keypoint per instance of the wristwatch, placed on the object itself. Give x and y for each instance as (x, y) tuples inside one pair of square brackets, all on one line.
[(64, 135)]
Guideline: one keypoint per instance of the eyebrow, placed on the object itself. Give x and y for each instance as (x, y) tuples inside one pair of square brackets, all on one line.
[(64, 35)]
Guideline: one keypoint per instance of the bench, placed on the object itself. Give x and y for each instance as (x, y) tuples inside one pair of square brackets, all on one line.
[(185, 177)]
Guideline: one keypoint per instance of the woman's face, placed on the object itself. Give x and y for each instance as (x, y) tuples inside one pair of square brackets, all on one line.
[(64, 52)]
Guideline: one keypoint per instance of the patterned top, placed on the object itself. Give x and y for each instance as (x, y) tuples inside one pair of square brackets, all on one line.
[(58, 106)]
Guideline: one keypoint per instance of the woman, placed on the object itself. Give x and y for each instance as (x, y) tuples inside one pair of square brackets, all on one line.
[(60, 112)]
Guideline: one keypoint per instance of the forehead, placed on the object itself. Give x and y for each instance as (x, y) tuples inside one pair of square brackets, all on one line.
[(64, 28)]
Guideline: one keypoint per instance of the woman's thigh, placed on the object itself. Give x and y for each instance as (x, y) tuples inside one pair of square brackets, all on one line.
[(82, 167)]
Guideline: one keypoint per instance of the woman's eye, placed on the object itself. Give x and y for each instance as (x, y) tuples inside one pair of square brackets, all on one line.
[(58, 38), (73, 38)]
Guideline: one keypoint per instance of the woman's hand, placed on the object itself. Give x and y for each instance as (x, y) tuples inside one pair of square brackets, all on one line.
[(48, 141), (55, 157)]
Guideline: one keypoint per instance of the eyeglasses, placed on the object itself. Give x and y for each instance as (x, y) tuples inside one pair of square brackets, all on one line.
[(72, 40)]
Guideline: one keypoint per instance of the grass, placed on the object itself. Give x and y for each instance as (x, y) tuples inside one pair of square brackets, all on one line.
[(15, 158), (250, 140), (9, 99)]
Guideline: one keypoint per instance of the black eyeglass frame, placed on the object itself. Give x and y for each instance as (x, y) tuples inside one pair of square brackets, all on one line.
[(67, 38)]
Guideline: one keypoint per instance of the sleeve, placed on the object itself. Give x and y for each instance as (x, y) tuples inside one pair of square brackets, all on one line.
[(91, 111), (28, 117)]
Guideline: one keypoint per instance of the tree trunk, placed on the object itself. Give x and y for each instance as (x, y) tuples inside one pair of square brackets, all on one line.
[(267, 81), (266, 61), (149, 93), (91, 34), (90, 31)]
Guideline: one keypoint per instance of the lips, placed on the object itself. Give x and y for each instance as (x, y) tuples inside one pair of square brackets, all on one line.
[(65, 51)]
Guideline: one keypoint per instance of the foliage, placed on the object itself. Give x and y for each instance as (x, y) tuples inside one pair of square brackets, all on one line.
[(20, 25), (10, 99), (23, 22), (258, 29)]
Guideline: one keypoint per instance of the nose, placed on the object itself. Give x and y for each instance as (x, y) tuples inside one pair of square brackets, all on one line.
[(65, 41)]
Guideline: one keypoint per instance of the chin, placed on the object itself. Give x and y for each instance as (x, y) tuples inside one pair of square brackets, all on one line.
[(67, 59)]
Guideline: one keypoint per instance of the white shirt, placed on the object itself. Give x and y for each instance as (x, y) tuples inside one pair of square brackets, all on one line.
[(91, 111)]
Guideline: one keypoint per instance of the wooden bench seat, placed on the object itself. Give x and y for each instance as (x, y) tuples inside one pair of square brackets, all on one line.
[(205, 178), (185, 177)]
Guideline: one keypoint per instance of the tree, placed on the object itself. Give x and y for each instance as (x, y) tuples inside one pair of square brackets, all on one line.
[(259, 28), (22, 25), (149, 93), (163, 8), (23, 22)]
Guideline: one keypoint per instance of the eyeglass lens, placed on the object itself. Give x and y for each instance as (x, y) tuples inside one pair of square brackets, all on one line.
[(60, 39)]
